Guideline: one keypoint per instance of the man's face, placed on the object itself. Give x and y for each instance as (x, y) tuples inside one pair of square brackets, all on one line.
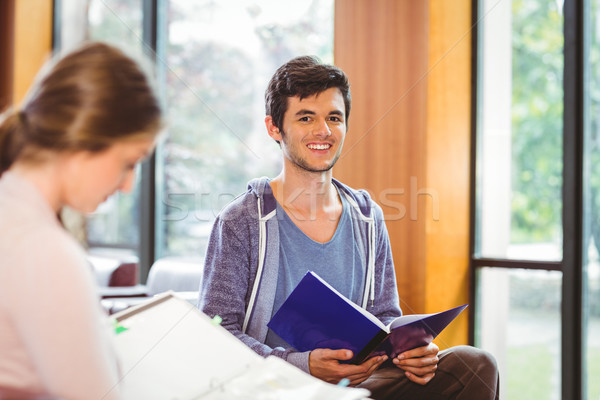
[(313, 132)]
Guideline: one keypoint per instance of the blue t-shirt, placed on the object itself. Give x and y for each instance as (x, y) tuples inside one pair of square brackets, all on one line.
[(337, 261)]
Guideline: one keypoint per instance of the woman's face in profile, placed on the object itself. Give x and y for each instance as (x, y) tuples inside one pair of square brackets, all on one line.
[(89, 178)]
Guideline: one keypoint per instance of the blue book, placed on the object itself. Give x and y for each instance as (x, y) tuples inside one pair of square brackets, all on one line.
[(315, 315)]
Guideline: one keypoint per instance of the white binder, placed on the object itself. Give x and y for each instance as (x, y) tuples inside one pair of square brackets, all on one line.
[(171, 350)]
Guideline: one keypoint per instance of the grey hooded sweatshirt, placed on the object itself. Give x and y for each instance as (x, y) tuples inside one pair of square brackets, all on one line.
[(242, 266)]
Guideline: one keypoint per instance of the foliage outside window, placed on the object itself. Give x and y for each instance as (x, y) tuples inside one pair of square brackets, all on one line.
[(537, 111), (519, 204)]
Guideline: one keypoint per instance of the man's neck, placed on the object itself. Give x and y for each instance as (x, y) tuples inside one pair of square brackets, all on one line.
[(308, 194)]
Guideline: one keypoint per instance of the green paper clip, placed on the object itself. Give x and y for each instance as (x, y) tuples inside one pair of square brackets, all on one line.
[(118, 328), (217, 320)]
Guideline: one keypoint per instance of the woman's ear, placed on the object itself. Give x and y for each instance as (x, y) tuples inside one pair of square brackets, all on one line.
[(272, 130)]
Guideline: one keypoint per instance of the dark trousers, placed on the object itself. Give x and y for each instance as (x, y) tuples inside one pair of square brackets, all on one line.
[(463, 373)]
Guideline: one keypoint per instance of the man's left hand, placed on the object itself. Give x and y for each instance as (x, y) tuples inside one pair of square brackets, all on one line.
[(419, 364)]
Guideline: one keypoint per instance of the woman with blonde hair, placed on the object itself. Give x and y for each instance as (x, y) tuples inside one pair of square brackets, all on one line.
[(75, 141)]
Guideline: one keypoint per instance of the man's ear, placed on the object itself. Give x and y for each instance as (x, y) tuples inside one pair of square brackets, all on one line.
[(272, 130)]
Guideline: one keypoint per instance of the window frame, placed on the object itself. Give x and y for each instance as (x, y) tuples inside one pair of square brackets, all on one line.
[(572, 264), (148, 189)]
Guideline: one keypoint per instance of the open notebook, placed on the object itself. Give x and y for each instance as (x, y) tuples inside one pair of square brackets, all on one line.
[(315, 315)]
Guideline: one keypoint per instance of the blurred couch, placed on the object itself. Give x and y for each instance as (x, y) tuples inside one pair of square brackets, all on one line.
[(119, 287)]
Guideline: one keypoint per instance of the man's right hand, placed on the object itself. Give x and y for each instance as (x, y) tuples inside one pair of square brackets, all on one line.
[(325, 364)]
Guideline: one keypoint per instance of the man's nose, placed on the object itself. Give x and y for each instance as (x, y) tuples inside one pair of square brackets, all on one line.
[(322, 129)]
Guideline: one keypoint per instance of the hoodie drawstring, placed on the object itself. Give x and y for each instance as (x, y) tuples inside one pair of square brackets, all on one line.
[(369, 293), (261, 261), (262, 250)]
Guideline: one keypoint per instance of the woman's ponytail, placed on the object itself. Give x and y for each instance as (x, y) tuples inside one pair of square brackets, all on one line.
[(12, 138)]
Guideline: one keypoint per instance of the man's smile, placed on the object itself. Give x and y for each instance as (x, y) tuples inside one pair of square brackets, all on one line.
[(314, 146)]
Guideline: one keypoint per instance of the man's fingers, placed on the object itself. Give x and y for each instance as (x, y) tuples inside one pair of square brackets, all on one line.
[(418, 352), (375, 363), (329, 354), (357, 378), (421, 380), (359, 373), (421, 371), (417, 362), (324, 364)]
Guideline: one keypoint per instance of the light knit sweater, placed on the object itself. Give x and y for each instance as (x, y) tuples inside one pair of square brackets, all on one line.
[(54, 338)]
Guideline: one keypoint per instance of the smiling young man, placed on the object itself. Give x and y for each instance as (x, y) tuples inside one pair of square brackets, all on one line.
[(264, 242)]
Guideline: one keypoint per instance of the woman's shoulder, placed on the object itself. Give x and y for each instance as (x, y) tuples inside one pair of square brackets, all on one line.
[(33, 246)]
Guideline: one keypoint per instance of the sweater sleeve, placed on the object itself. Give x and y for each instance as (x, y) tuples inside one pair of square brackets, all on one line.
[(56, 312), (227, 283)]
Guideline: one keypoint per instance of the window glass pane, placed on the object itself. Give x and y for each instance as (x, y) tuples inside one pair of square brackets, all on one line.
[(119, 22), (217, 57), (116, 221), (518, 320), (591, 276), (520, 130)]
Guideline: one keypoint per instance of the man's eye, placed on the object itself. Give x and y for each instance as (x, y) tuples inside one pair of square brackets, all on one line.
[(304, 119)]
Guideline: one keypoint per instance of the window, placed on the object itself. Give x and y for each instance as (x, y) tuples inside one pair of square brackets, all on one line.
[(213, 62), (216, 60), (534, 253), (518, 208)]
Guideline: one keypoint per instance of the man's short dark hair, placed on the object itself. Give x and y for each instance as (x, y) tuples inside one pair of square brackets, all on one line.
[(303, 77)]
